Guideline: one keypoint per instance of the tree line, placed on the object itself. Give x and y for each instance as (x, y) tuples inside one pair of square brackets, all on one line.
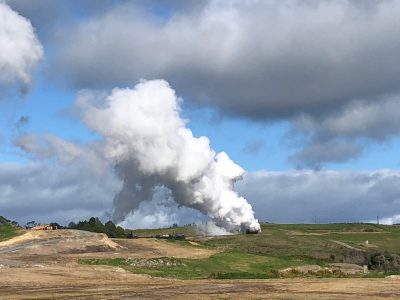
[(95, 225)]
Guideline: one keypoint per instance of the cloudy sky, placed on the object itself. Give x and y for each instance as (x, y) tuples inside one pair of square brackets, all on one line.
[(303, 95)]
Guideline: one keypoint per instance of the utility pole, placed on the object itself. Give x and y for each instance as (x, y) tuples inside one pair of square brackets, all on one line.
[(377, 220), (315, 219)]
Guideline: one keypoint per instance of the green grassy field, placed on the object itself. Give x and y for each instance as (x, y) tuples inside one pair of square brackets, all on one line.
[(222, 265), (7, 231), (276, 247), (314, 241)]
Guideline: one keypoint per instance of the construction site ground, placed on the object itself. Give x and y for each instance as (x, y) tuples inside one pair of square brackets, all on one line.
[(44, 265)]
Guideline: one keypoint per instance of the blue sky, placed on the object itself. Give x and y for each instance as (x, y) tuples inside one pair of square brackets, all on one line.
[(253, 145), (284, 87)]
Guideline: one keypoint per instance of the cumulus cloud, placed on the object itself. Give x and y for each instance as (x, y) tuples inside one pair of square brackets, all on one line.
[(259, 59), (375, 120), (20, 49), (67, 181), (48, 147), (63, 181), (322, 62), (60, 192), (330, 196), (315, 154), (326, 67), (342, 135), (329, 68), (65, 192)]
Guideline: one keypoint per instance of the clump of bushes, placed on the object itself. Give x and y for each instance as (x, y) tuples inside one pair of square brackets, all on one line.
[(157, 262), (320, 272), (384, 261), (95, 225), (239, 275), (326, 272)]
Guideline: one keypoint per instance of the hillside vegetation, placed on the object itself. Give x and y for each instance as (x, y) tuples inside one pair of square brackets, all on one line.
[(95, 225), (278, 247), (7, 229)]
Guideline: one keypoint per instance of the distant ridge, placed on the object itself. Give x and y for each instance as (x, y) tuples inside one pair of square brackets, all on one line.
[(4, 221)]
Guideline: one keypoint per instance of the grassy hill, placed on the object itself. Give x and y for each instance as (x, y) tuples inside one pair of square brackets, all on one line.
[(278, 247), (7, 229), (336, 242)]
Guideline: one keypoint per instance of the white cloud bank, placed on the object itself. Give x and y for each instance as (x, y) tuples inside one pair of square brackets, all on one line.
[(66, 191), (260, 59), (316, 64), (61, 192), (331, 196), (20, 49)]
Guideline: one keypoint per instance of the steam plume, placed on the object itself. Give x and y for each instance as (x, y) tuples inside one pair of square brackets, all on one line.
[(151, 146)]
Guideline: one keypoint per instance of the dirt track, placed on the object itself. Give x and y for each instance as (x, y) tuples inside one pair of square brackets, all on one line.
[(44, 266)]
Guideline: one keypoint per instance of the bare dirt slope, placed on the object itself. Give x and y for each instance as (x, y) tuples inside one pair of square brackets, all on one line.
[(58, 241), (43, 265), (85, 282), (67, 246), (146, 248)]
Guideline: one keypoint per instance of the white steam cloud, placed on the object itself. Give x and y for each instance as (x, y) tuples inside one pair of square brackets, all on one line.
[(151, 147), (20, 50)]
